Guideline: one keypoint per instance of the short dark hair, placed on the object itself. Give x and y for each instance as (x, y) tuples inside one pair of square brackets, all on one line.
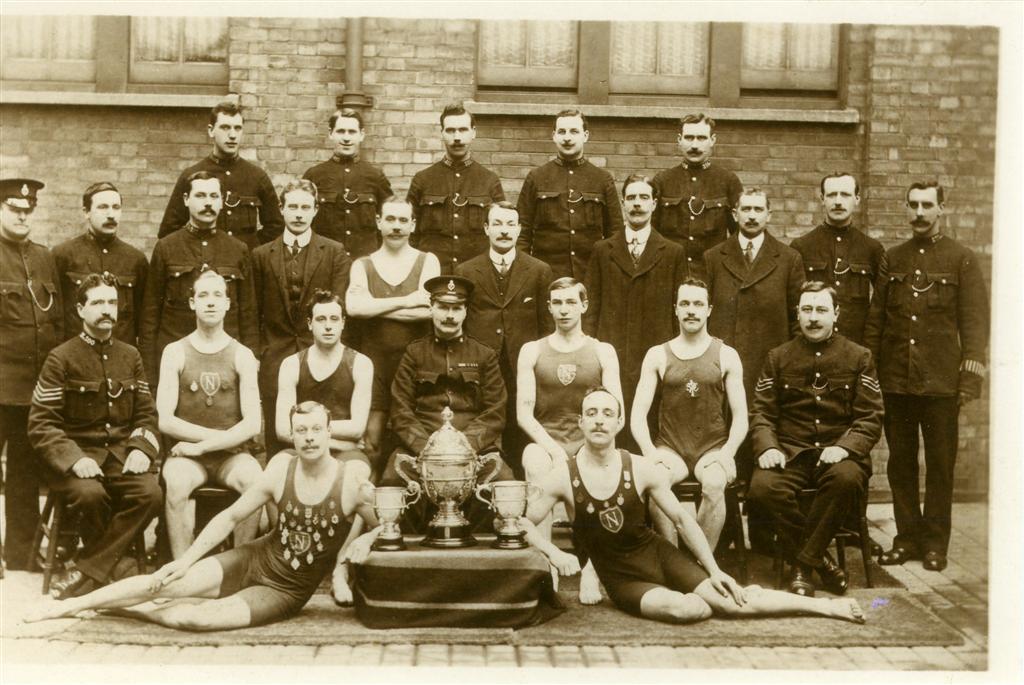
[(203, 273), (94, 189), (755, 190), (696, 119), (503, 204), (841, 174), (325, 297), (694, 282), (571, 112), (201, 176), (455, 109), (93, 281), (308, 407), (347, 113), (226, 107), (639, 178), (940, 194), (817, 287), (396, 200), (303, 184), (567, 282), (599, 388)]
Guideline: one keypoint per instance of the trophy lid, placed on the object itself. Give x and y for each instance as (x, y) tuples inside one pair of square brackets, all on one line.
[(447, 442)]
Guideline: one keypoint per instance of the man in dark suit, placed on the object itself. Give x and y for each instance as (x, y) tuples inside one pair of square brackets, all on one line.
[(287, 272), (508, 305), (632, 281)]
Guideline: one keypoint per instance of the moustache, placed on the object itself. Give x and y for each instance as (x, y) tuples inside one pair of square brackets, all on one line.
[(814, 326), (110, 224), (919, 222), (106, 317), (751, 222)]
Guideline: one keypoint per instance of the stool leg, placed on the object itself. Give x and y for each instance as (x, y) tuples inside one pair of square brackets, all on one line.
[(841, 552), (52, 535), (140, 551), (865, 549), (778, 564), (37, 537), (734, 520)]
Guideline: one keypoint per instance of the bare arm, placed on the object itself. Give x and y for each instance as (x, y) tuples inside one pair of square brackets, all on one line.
[(526, 401), (361, 304), (171, 364), (732, 367), (610, 370), (650, 373), (554, 487), (287, 380), (351, 430)]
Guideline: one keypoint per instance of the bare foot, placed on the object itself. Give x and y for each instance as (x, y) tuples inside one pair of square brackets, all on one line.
[(50, 608), (847, 609), (554, 578), (340, 589), (590, 585)]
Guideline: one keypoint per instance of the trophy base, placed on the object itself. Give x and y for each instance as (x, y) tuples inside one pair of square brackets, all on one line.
[(510, 542), (449, 537), (396, 545)]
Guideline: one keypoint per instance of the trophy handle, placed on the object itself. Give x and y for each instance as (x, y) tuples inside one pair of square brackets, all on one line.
[(400, 460), (493, 457), (479, 491), (414, 488)]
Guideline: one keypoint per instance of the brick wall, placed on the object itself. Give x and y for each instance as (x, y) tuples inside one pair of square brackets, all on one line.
[(926, 97)]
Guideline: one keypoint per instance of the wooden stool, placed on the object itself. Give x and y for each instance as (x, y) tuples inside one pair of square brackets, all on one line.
[(210, 501), (804, 499), (732, 532), (50, 523)]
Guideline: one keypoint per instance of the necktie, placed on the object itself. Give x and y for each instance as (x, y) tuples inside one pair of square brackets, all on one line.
[(634, 251), (503, 267), (293, 249), (748, 253)]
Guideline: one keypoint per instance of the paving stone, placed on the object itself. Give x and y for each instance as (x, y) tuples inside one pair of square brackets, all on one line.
[(161, 655), (366, 655), (799, 659), (695, 657), (941, 658), (867, 658), (468, 655), (567, 656), (904, 658), (630, 656), (399, 655), (728, 657), (534, 656), (432, 655), (832, 658), (124, 654), (764, 657), (599, 656), (333, 655), (281, 654), (502, 656)]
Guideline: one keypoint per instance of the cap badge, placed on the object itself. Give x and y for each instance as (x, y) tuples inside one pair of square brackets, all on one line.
[(451, 286), (24, 190)]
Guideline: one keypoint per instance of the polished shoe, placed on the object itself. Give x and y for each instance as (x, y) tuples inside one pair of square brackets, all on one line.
[(833, 578), (73, 583), (898, 555), (801, 583), (934, 561)]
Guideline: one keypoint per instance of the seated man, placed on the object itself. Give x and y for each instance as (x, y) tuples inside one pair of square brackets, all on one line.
[(209, 402), (447, 369), (702, 417), (554, 372), (266, 580), (607, 490), (340, 378), (817, 414), (92, 421)]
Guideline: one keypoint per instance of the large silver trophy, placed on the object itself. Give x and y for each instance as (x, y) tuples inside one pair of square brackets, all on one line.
[(508, 499), (448, 469), (389, 503)]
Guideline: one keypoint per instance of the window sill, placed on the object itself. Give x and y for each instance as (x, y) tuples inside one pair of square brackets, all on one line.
[(811, 116), (49, 97)]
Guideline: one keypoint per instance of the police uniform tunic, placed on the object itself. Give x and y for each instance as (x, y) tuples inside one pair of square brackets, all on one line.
[(248, 195), (92, 400), (90, 253), (177, 260), (929, 328), (31, 324), (350, 193), (849, 261), (695, 208), (450, 201), (809, 396), (565, 207)]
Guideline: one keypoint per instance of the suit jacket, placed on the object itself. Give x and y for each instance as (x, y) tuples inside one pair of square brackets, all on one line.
[(282, 331), (506, 323), (754, 308)]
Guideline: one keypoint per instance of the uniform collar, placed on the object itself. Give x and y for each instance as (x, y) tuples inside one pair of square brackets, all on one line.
[(578, 162), (99, 239), (340, 159), (15, 244), (302, 240), (222, 161), (199, 232), (460, 164), (706, 164), (838, 229), (818, 345), (93, 342), (451, 341), (927, 240)]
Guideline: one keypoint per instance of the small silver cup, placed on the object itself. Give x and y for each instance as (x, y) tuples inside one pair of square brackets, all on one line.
[(389, 503), (508, 500)]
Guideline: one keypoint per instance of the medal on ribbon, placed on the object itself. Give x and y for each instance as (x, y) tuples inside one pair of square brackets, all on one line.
[(209, 381)]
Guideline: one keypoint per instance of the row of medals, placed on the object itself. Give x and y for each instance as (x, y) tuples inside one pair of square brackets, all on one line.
[(620, 500), (314, 521)]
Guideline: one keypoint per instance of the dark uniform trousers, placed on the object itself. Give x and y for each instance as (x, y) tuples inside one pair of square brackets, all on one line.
[(92, 400), (31, 324), (810, 396), (249, 201), (928, 328), (465, 375), (450, 201)]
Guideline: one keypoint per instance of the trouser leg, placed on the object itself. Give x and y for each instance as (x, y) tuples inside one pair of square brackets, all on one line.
[(775, 492), (21, 486), (940, 429), (840, 486), (902, 417)]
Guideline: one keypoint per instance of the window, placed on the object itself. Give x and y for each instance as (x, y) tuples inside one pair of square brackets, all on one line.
[(718, 64), (115, 54)]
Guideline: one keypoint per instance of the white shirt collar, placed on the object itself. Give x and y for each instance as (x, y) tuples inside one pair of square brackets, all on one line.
[(302, 240), (509, 257), (757, 242), (641, 236)]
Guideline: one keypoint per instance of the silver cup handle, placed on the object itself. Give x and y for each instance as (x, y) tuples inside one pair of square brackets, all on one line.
[(496, 461), (400, 460), (489, 488), (412, 488)]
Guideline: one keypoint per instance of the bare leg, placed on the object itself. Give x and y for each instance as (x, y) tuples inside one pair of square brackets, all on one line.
[(590, 585), (536, 463), (182, 476), (711, 515), (205, 614), (239, 472), (677, 473), (764, 602), (670, 606), (355, 472)]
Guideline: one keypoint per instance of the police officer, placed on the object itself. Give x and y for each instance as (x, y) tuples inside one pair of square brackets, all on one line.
[(568, 204), (31, 324), (450, 198), (93, 423), (350, 189), (840, 254), (696, 197), (246, 188), (100, 250), (817, 413), (928, 327), (448, 368), (178, 259)]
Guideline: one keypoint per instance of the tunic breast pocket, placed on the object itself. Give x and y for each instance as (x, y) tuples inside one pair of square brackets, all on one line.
[(841, 391), (430, 218), (858, 282), (233, 276), (593, 212), (817, 271), (179, 285), (361, 208), (795, 389), (943, 291), (476, 211), (669, 219), (121, 399), (241, 213), (715, 211), (899, 292), (15, 303), (85, 401), (549, 211), (126, 294)]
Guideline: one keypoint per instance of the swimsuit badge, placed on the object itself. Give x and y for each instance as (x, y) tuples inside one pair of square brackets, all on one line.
[(692, 387), (612, 519), (209, 381), (566, 373)]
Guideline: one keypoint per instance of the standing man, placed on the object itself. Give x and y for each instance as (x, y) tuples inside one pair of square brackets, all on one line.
[(31, 324), (99, 250), (350, 190), (696, 197), (817, 413), (928, 328), (98, 439), (178, 259), (702, 417), (247, 190), (632, 281), (288, 271), (568, 204), (839, 254), (507, 307), (450, 198), (209, 406)]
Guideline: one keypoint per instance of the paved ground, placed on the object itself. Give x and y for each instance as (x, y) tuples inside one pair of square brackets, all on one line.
[(959, 596)]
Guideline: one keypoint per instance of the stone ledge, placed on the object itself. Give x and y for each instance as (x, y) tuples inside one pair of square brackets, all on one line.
[(51, 97), (810, 116)]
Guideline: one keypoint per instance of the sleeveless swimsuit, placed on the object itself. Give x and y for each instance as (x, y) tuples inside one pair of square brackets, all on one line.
[(562, 378)]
